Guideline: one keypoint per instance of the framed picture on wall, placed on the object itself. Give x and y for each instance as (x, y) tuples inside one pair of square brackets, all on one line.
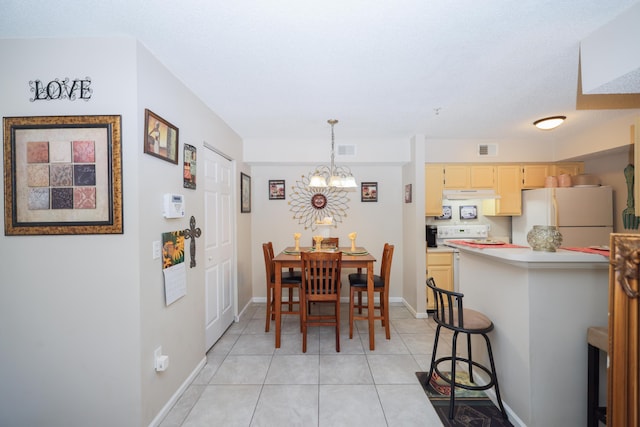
[(63, 175), (276, 189), (407, 193), (245, 193), (160, 138), (369, 191), (189, 169)]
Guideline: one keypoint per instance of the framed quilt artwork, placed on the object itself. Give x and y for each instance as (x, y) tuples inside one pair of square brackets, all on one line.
[(63, 175)]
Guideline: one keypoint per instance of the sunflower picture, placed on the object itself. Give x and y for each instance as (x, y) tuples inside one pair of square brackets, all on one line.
[(172, 248)]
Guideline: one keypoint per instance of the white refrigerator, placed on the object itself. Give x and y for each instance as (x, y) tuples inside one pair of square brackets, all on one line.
[(583, 215)]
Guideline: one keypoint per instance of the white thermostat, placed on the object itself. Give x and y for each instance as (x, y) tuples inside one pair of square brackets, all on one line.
[(173, 205)]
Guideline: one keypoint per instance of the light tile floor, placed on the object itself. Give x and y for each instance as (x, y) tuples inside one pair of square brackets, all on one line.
[(248, 382)]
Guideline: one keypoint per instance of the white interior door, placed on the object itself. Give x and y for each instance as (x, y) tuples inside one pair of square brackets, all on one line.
[(219, 246)]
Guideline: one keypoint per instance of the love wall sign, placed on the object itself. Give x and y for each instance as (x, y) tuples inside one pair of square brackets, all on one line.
[(58, 89)]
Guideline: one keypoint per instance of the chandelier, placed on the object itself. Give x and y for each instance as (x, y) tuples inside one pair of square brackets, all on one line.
[(332, 176)]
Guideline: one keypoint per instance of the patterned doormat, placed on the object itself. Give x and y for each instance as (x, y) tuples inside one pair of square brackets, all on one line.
[(472, 408)]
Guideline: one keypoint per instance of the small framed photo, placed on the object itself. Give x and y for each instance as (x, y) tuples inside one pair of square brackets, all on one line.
[(189, 173), (468, 212), (245, 193), (369, 192), (446, 213), (160, 138), (276, 189), (407, 193)]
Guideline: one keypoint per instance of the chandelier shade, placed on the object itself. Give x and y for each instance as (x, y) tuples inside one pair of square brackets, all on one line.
[(332, 176)]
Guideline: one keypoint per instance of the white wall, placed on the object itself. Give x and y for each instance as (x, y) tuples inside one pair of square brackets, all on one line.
[(466, 150), (414, 262), (69, 312), (610, 134), (179, 328), (80, 316)]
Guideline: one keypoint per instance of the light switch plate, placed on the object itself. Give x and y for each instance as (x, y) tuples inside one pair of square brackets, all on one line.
[(157, 249)]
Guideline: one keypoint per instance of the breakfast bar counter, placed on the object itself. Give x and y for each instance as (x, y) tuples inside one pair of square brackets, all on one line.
[(541, 304)]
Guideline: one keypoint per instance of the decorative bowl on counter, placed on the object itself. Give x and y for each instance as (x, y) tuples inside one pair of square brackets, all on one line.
[(545, 238)]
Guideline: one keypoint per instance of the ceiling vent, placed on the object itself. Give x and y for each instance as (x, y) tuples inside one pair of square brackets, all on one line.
[(490, 150), (346, 150)]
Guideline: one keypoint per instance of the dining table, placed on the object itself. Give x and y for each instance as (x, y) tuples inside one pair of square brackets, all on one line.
[(359, 258)]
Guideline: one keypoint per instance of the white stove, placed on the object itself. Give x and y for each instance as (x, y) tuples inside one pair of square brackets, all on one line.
[(461, 232)]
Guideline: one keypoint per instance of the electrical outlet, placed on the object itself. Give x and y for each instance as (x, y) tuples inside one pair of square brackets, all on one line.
[(157, 354), (156, 249)]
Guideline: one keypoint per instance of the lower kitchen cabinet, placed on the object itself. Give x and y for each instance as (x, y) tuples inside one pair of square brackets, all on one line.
[(440, 267)]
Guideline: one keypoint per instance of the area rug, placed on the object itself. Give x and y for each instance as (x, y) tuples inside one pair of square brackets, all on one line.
[(472, 409)]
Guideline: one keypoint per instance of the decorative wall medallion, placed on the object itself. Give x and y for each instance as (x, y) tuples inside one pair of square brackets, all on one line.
[(318, 201), (311, 205)]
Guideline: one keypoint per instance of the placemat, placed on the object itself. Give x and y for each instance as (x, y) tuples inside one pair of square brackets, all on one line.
[(484, 246), (603, 252)]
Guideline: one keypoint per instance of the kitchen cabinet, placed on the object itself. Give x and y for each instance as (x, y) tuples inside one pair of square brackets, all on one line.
[(440, 267), (457, 177), (506, 179), (434, 183), (482, 176), (534, 176), (508, 186), (569, 168)]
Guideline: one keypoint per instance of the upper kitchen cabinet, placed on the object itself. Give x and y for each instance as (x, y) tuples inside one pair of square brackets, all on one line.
[(482, 176), (533, 176), (508, 187), (434, 184), (569, 168), (457, 177), (468, 177)]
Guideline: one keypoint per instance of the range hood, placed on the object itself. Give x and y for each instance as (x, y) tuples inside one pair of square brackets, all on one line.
[(469, 194)]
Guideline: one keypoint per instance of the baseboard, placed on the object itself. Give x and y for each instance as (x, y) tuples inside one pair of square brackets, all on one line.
[(416, 314), (178, 393), (244, 309)]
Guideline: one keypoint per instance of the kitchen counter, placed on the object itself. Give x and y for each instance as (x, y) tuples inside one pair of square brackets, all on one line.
[(541, 304), (527, 257), (442, 249)]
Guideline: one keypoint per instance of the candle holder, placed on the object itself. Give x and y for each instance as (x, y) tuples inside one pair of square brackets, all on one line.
[(318, 240), (352, 237), (296, 237)]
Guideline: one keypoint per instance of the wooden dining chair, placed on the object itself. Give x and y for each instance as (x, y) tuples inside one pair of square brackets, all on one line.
[(358, 286), (290, 281), (320, 284)]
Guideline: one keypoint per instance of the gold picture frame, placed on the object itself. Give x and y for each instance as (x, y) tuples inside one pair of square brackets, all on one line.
[(62, 175)]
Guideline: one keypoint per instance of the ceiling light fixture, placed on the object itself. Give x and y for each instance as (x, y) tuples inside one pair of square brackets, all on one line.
[(549, 123), (333, 176)]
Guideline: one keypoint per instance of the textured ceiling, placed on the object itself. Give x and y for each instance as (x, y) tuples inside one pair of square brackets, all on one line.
[(385, 69)]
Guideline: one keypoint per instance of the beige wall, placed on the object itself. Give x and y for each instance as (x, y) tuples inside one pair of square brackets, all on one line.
[(82, 315)]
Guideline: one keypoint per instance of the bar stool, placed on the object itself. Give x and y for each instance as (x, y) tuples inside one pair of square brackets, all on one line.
[(597, 340), (450, 314)]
